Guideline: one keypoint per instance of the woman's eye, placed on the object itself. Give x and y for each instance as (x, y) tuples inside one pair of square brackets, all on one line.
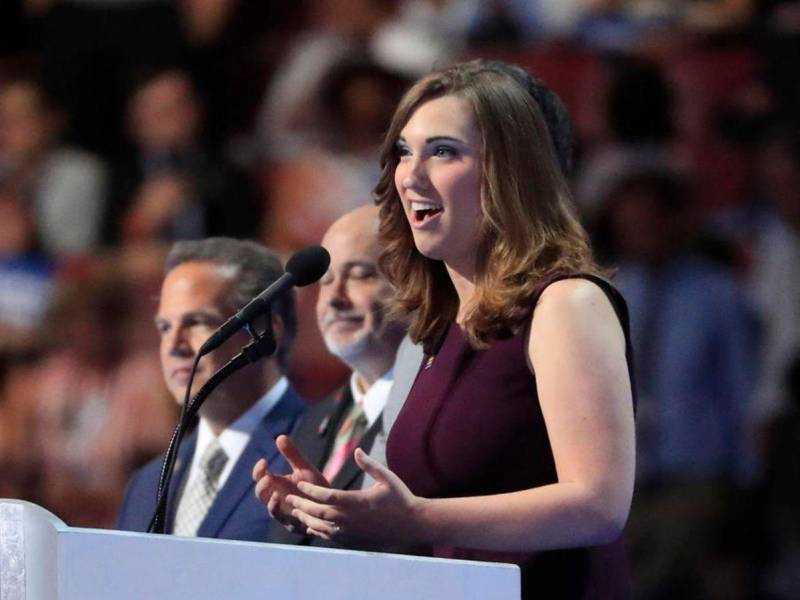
[(444, 151), (403, 151)]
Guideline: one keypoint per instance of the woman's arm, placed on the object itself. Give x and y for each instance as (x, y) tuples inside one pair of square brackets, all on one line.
[(577, 350)]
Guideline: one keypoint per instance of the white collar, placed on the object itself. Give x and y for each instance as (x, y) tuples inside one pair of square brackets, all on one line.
[(374, 399)]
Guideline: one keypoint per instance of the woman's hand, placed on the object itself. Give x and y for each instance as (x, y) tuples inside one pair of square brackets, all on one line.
[(273, 489), (385, 514)]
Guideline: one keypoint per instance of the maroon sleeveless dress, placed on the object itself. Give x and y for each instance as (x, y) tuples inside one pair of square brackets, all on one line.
[(472, 426)]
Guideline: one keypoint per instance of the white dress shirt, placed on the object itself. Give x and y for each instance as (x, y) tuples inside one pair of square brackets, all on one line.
[(236, 436), (374, 399)]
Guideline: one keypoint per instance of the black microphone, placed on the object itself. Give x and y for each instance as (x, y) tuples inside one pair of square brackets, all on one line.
[(304, 267)]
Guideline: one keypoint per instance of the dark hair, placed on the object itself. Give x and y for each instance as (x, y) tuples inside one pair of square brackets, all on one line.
[(529, 229), (256, 268), (349, 70), (640, 102)]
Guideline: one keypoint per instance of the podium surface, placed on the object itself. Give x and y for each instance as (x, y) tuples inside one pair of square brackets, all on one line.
[(43, 559)]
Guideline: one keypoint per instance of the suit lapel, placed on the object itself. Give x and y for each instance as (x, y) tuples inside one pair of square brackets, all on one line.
[(239, 485), (315, 437)]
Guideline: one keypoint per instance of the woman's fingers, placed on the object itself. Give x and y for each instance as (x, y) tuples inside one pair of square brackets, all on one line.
[(282, 513), (326, 495), (373, 468), (314, 509), (318, 534), (273, 507), (315, 526)]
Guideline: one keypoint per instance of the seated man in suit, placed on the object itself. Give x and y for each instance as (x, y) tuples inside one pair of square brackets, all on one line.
[(211, 494), (353, 320)]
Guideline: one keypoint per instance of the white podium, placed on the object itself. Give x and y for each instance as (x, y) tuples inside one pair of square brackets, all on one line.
[(43, 559)]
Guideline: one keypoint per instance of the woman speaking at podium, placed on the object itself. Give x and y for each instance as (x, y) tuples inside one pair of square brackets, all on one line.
[(516, 442)]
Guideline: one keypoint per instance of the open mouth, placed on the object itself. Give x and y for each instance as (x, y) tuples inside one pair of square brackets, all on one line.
[(424, 211)]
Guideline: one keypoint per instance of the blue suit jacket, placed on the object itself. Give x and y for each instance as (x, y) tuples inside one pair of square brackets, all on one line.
[(236, 513)]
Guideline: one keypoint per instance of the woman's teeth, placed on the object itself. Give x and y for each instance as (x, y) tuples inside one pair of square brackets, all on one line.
[(423, 210)]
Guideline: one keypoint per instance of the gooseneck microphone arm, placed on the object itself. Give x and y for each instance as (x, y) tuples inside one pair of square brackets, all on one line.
[(262, 346), (304, 267), (251, 311), (157, 523)]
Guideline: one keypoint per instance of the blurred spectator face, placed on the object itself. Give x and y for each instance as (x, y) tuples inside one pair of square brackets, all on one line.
[(164, 113), (367, 107), (358, 99), (195, 301), (639, 226), (26, 125), (88, 317), (640, 104), (357, 18), (354, 295), (16, 227)]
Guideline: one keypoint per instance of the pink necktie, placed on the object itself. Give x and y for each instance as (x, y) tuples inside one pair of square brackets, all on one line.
[(347, 440)]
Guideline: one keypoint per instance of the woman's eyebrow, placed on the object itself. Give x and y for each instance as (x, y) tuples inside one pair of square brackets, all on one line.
[(443, 138), (436, 138)]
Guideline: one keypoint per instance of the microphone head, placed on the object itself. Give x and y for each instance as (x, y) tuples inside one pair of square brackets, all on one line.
[(308, 265)]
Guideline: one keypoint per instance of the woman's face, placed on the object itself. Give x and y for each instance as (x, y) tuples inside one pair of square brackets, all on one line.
[(438, 179)]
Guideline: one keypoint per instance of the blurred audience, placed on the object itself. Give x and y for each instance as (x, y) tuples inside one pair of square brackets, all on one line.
[(291, 115), (692, 329), (693, 337), (639, 107), (64, 187), (26, 280), (90, 49), (336, 170), (86, 406), (422, 34), (175, 187), (781, 578), (775, 272)]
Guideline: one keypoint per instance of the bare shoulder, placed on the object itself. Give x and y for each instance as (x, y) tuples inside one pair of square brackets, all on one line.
[(573, 297), (575, 309)]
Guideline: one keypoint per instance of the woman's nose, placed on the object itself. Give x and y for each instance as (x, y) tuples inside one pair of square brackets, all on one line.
[(415, 175)]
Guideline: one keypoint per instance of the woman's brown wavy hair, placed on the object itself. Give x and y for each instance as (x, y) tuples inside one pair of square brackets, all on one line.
[(529, 231)]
